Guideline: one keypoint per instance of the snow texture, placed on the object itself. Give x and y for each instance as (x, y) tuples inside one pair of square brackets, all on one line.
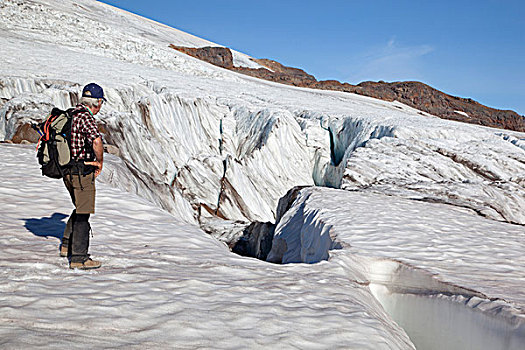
[(454, 280), (205, 144), (163, 283)]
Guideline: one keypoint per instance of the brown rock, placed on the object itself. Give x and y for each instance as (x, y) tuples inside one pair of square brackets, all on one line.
[(25, 132), (294, 73), (219, 56), (430, 100), (263, 73)]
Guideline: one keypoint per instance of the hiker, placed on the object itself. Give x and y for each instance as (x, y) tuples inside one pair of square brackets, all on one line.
[(87, 157)]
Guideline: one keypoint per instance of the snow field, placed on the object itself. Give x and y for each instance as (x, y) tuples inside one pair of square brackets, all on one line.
[(204, 143), (163, 283), (140, 41), (450, 278)]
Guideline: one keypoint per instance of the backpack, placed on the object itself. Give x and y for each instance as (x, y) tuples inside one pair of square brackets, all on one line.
[(53, 149)]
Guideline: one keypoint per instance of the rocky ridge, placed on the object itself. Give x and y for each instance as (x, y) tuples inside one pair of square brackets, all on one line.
[(411, 93)]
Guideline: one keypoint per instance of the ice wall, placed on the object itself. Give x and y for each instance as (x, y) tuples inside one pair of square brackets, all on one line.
[(235, 160), (480, 169), (485, 175), (231, 145), (435, 322), (196, 157)]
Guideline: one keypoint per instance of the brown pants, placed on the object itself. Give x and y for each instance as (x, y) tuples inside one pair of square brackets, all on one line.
[(76, 235), (82, 191)]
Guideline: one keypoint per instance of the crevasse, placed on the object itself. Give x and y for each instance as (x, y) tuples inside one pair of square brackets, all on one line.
[(431, 271), (180, 144)]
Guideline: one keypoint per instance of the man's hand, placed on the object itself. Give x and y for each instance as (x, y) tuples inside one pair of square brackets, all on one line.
[(98, 147), (95, 164)]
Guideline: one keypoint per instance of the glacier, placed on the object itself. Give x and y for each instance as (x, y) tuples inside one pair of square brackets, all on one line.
[(420, 260), (165, 283), (218, 149)]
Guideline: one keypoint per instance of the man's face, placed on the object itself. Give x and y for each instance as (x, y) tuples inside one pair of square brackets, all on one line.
[(98, 107)]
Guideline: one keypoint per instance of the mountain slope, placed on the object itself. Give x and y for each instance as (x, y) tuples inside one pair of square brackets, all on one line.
[(411, 93)]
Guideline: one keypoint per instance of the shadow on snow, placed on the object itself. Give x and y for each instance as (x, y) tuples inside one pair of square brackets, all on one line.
[(52, 226)]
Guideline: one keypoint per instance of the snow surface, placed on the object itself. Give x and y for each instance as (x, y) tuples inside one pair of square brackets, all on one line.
[(454, 244), (462, 113), (453, 280), (163, 284), (204, 143)]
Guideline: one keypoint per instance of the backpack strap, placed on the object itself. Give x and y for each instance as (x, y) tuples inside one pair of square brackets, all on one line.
[(45, 128)]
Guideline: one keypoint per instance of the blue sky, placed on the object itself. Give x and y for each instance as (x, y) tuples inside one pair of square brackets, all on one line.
[(470, 49)]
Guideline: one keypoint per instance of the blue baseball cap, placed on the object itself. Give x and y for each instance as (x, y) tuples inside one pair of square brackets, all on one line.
[(93, 90)]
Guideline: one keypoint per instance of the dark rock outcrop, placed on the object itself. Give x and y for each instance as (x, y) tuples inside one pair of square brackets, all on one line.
[(219, 56), (411, 93), (266, 74), (25, 133), (430, 100), (290, 75)]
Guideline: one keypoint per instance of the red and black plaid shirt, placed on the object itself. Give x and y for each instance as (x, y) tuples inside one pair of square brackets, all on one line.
[(83, 131)]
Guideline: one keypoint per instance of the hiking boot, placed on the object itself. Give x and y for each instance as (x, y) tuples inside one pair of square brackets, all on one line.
[(63, 251), (86, 265)]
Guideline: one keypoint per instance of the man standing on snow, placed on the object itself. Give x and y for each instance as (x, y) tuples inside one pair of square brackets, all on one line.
[(87, 152)]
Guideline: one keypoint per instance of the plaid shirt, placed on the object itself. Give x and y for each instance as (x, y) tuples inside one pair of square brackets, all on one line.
[(83, 131)]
